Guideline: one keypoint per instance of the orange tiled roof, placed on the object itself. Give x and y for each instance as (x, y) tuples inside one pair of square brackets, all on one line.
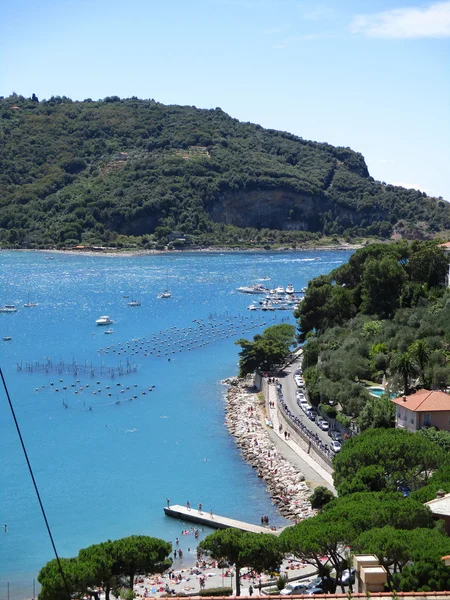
[(425, 401), (445, 245)]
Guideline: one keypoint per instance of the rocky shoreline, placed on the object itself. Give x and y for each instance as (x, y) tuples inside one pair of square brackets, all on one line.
[(285, 482)]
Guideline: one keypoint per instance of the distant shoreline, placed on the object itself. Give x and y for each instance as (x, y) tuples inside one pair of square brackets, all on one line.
[(208, 250)]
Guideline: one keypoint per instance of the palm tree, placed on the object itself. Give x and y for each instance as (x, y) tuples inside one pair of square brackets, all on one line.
[(405, 366), (421, 352)]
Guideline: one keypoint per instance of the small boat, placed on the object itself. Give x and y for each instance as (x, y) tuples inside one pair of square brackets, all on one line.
[(256, 288), (105, 320), (134, 303), (8, 308), (290, 288), (279, 290), (7, 338), (28, 303), (109, 331), (165, 294), (252, 307)]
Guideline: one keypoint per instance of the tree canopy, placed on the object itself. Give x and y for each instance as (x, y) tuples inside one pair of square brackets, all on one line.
[(121, 171), (267, 349)]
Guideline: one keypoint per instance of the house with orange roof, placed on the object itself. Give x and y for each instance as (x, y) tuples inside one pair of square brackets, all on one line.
[(425, 408)]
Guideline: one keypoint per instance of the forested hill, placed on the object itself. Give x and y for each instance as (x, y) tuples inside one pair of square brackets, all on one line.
[(93, 172)]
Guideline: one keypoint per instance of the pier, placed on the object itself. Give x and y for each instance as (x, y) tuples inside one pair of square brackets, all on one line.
[(215, 521)]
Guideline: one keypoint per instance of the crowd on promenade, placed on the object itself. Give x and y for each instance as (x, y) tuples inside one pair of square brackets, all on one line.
[(297, 423)]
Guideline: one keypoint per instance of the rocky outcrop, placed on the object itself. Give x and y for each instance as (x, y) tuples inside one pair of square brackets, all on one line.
[(284, 209), (285, 482)]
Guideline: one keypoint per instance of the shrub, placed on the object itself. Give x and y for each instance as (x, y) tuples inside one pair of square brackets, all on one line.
[(223, 591)]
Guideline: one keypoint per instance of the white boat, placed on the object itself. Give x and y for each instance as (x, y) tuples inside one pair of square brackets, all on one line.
[(279, 290), (105, 320), (165, 294), (252, 307), (290, 288), (28, 303), (7, 338), (109, 331), (134, 303), (256, 288), (8, 308)]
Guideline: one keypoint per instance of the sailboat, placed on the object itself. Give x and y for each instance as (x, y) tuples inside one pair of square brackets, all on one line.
[(166, 293), (28, 303)]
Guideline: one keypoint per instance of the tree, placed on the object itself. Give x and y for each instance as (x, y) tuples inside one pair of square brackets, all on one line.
[(259, 551), (320, 496), (266, 350), (400, 456), (77, 576), (377, 413), (101, 560), (140, 555), (382, 282), (420, 352), (405, 366), (315, 538)]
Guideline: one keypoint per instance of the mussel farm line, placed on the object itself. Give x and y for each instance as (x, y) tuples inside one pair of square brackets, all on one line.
[(75, 368)]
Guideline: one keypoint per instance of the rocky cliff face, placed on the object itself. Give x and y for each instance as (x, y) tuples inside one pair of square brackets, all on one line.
[(283, 209)]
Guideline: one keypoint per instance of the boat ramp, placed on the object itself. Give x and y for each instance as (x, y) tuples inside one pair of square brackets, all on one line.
[(215, 521)]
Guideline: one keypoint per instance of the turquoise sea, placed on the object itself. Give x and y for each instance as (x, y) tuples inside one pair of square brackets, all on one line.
[(104, 453)]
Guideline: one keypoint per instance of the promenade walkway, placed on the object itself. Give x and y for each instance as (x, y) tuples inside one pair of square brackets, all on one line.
[(314, 473), (215, 521)]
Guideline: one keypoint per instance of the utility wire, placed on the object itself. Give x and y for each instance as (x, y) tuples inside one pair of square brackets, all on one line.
[(35, 486)]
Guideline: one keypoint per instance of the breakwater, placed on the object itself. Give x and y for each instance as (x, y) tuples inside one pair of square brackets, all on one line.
[(246, 422)]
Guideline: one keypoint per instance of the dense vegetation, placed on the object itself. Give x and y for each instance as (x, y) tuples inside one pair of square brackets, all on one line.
[(133, 172), (270, 348), (383, 316)]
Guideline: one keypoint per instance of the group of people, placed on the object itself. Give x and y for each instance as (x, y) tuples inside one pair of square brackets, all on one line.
[(264, 520)]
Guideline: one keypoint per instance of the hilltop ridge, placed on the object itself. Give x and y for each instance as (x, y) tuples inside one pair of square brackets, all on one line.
[(101, 171)]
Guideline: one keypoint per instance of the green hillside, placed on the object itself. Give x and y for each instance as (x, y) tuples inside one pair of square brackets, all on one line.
[(120, 171)]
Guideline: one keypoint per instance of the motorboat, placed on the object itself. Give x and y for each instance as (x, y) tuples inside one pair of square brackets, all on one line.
[(290, 288), (165, 294), (109, 331), (252, 307), (28, 303), (8, 308), (256, 288), (279, 290), (7, 338), (105, 320), (134, 303)]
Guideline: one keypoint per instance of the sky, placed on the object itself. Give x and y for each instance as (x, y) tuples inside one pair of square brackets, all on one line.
[(373, 75)]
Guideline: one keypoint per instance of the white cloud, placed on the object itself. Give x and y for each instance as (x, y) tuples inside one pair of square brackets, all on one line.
[(432, 21)]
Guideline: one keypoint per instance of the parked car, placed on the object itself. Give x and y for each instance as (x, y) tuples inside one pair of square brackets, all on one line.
[(336, 435), (294, 589), (312, 591), (324, 425), (335, 446), (317, 582), (304, 405), (312, 415), (347, 577)]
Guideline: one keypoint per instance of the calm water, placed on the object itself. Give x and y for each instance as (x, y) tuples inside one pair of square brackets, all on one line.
[(105, 472)]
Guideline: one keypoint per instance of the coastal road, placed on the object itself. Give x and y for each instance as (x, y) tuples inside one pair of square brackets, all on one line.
[(290, 388)]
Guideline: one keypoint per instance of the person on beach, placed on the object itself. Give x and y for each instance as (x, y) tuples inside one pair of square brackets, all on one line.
[(200, 507), (250, 590), (188, 505), (211, 514), (168, 502)]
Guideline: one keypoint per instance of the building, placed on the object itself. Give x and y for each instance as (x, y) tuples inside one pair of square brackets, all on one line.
[(425, 408), (440, 507)]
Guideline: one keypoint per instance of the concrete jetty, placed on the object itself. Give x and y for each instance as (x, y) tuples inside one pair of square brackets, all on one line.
[(215, 521)]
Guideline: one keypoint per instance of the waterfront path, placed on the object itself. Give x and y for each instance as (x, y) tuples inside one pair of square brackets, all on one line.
[(215, 521)]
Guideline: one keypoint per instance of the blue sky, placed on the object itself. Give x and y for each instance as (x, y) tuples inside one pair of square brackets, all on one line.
[(373, 75)]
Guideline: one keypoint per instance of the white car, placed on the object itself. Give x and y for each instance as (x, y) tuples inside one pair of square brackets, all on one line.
[(304, 405), (335, 446), (324, 425), (294, 589)]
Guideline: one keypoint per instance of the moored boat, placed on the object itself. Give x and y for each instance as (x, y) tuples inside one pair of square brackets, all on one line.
[(8, 308), (256, 288), (104, 320), (134, 303)]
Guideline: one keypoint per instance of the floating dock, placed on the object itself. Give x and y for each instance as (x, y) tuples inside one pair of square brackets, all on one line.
[(215, 521)]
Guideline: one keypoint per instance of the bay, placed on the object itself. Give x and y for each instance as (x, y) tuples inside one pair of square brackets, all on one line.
[(106, 461)]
